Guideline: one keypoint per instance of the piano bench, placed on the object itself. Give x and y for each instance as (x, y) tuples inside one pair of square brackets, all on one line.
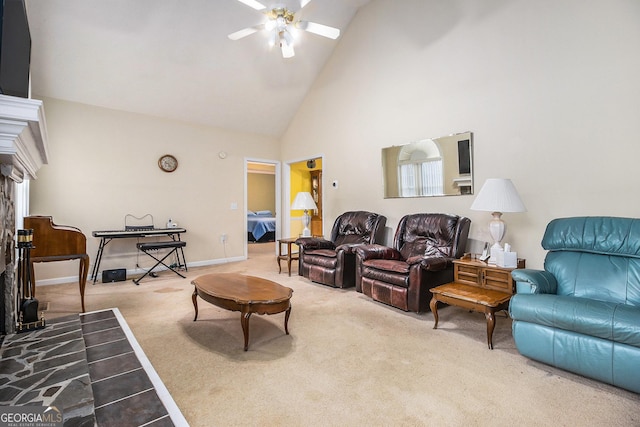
[(176, 248), (152, 246)]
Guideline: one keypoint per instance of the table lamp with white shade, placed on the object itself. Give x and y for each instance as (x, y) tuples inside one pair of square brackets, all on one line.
[(304, 201), (498, 195)]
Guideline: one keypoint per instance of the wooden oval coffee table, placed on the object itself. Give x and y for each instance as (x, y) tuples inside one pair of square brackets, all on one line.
[(246, 294)]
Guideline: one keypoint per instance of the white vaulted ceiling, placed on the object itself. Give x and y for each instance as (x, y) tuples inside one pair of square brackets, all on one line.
[(172, 59)]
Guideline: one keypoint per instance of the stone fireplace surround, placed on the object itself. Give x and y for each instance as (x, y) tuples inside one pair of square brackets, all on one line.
[(23, 151)]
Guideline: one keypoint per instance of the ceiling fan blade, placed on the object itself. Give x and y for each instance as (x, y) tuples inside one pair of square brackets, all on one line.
[(254, 4), (245, 32), (319, 29), (298, 14)]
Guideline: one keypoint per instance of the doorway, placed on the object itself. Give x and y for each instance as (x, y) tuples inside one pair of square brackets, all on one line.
[(262, 199), (306, 176)]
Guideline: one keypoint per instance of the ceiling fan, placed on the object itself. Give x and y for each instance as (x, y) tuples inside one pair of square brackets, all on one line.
[(279, 24)]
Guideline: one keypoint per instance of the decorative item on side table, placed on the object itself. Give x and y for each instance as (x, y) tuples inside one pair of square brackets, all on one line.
[(498, 195), (304, 201)]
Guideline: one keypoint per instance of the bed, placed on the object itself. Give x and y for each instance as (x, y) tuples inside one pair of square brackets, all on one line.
[(261, 226)]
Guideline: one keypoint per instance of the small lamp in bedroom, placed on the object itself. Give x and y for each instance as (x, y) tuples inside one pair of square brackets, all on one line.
[(304, 201)]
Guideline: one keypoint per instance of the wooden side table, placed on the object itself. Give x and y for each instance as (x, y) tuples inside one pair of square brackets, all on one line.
[(289, 255), (477, 286)]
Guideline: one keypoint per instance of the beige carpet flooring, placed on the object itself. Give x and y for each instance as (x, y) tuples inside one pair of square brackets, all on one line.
[(348, 361)]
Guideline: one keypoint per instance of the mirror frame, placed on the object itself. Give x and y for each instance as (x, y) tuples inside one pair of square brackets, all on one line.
[(452, 157)]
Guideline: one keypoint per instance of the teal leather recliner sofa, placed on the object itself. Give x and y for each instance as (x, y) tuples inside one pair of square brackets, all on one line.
[(582, 313)]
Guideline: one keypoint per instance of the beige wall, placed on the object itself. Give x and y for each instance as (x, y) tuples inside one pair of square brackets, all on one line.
[(549, 89), (261, 192), (104, 165)]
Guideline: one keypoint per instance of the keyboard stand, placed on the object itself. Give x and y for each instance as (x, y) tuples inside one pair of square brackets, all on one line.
[(137, 233), (176, 248)]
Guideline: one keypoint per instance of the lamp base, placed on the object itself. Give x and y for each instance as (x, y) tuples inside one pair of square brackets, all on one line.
[(497, 229), (306, 220)]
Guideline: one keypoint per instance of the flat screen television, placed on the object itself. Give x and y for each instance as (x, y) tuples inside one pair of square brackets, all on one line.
[(464, 157), (15, 48)]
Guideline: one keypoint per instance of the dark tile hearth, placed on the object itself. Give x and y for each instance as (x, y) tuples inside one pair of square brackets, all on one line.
[(89, 366), (48, 367)]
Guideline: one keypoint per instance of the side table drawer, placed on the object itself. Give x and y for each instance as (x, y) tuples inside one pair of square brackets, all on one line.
[(467, 274), (499, 280), (477, 273)]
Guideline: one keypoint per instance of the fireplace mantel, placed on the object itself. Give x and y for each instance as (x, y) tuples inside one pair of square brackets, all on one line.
[(23, 151), (23, 137)]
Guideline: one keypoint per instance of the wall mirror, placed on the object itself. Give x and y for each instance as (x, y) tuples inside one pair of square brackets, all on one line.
[(430, 167)]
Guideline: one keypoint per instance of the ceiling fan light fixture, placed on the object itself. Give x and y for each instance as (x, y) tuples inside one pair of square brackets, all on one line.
[(282, 28), (273, 38), (281, 12), (282, 22), (270, 25)]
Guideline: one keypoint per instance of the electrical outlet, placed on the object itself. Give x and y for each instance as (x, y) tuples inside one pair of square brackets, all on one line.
[(223, 238)]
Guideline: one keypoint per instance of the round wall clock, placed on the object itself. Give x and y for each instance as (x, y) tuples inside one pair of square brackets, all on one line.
[(168, 163)]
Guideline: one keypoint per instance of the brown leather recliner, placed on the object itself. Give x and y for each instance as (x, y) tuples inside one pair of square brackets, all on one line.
[(424, 247), (333, 262)]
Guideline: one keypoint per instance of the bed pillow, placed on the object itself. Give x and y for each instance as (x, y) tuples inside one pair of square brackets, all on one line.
[(250, 213), (264, 213)]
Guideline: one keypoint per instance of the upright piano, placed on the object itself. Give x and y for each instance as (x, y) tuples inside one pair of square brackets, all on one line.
[(54, 242)]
